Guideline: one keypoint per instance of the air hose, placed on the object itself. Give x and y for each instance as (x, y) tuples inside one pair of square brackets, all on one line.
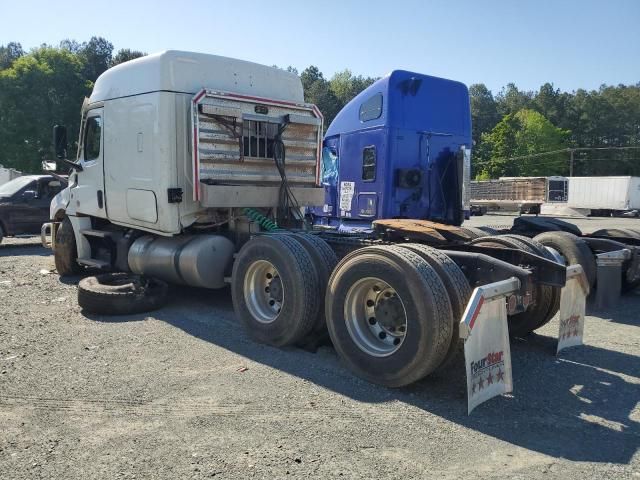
[(260, 219)]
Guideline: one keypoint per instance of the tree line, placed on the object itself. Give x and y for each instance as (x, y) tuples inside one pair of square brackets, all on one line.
[(44, 87), (515, 132)]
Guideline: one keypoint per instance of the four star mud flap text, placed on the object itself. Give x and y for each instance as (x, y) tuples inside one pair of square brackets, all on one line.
[(572, 308), (486, 342), (485, 332)]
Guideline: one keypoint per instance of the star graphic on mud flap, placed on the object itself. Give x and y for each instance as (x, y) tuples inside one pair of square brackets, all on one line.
[(481, 383), (500, 375), (490, 379)]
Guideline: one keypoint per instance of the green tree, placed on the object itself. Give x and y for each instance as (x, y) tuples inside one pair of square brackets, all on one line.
[(96, 55), (39, 90), (512, 100), (484, 110), (126, 54), (550, 102), (9, 54), (345, 86), (317, 91), (525, 135)]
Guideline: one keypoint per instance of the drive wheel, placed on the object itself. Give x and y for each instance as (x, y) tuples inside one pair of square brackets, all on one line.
[(274, 288), (65, 254), (388, 315), (616, 233), (325, 260), (525, 322), (556, 292), (572, 250), (458, 291), (474, 232)]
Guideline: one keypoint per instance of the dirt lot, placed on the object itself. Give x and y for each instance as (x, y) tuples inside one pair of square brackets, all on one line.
[(184, 393)]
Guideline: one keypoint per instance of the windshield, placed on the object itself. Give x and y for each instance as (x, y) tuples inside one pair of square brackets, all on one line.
[(15, 185)]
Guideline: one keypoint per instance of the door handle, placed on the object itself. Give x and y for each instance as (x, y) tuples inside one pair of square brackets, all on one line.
[(100, 199)]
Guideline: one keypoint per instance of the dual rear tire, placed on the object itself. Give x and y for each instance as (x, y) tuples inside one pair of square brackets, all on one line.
[(389, 315), (275, 289), (391, 311), (547, 298)]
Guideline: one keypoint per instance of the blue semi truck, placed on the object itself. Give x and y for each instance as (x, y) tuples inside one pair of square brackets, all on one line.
[(400, 149), (207, 187)]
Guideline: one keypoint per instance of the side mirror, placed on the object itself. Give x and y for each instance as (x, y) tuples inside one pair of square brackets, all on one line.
[(29, 195), (60, 141)]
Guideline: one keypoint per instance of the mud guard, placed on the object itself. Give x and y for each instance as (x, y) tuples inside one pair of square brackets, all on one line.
[(485, 331)]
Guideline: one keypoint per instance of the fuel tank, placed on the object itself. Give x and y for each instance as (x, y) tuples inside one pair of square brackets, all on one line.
[(195, 260)]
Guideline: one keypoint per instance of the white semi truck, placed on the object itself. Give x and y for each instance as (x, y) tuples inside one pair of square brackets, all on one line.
[(195, 169)]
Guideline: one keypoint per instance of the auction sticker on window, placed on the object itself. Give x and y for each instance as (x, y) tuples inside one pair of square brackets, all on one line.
[(347, 190)]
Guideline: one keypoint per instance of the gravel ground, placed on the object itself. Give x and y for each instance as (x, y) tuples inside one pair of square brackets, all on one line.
[(184, 393)]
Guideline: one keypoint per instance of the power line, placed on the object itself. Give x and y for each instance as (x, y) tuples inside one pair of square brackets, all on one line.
[(562, 150)]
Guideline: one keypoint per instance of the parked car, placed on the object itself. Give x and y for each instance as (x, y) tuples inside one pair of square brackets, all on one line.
[(24, 203)]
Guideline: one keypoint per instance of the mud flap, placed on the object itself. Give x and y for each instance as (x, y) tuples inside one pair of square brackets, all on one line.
[(486, 342), (572, 308)]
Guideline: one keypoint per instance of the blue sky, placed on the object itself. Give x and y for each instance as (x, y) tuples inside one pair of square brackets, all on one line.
[(574, 44)]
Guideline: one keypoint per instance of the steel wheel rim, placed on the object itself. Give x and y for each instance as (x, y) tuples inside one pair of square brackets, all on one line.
[(375, 317), (263, 291)]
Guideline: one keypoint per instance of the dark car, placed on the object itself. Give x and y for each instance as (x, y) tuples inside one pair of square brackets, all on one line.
[(24, 204)]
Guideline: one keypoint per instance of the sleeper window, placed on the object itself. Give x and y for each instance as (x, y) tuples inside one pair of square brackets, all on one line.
[(371, 109)]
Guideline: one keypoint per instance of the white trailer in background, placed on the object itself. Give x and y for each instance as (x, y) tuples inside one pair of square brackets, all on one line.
[(605, 196), (8, 174)]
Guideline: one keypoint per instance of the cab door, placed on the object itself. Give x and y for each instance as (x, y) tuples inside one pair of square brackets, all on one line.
[(87, 197), (362, 181)]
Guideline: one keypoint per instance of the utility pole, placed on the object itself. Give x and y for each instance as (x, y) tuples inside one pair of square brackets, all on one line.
[(571, 150)]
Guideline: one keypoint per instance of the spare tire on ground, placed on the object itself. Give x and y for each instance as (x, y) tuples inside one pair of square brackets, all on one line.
[(121, 294)]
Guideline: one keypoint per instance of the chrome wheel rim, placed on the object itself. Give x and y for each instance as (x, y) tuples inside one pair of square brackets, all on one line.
[(375, 317), (263, 291)]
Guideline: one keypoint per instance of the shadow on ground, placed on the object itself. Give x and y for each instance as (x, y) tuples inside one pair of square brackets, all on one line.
[(620, 313), (22, 248), (576, 406)]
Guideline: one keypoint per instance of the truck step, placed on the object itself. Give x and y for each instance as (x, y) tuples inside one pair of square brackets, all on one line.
[(94, 263), (96, 233)]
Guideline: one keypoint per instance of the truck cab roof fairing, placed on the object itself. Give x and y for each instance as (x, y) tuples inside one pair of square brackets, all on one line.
[(189, 72), (411, 100)]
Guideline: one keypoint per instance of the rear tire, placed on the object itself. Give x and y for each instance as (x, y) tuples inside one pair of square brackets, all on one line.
[(274, 288), (474, 232), (525, 322), (65, 254), (458, 291), (419, 326), (489, 230), (556, 292), (325, 260), (616, 233), (573, 249), (121, 294)]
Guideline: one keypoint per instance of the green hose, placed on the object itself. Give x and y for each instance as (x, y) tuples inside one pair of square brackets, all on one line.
[(260, 219)]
